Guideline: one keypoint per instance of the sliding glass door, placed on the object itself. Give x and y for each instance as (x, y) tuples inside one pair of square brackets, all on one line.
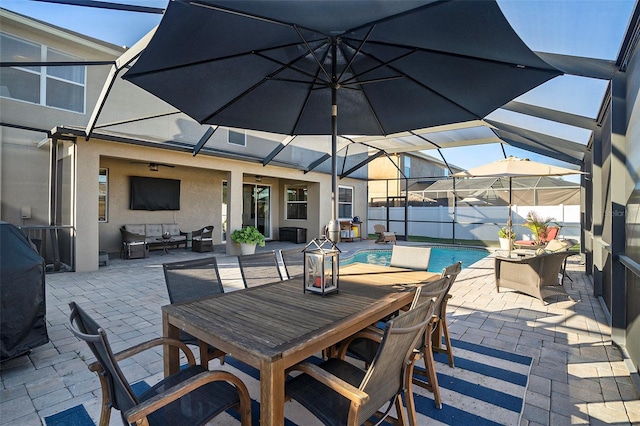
[(256, 207)]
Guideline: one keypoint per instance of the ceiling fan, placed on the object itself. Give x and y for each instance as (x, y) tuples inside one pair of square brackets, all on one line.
[(154, 167)]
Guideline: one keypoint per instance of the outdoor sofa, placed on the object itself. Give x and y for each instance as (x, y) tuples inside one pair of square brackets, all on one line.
[(150, 235)]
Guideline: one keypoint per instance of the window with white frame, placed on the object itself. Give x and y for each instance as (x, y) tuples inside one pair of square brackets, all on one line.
[(103, 195), (345, 202), (237, 138), (296, 201), (54, 86), (407, 166)]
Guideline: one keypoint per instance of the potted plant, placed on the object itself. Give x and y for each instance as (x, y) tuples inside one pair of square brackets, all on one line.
[(538, 226), (248, 237), (503, 236)]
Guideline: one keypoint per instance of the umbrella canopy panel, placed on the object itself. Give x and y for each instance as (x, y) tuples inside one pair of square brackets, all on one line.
[(516, 167), (398, 65), (532, 191)]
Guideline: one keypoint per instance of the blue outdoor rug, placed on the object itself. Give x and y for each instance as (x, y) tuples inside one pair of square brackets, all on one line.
[(486, 387), (74, 416)]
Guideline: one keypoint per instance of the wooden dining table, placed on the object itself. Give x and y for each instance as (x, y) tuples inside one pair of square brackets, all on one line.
[(274, 326)]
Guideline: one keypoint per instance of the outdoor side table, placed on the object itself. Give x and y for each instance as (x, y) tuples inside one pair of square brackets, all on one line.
[(165, 242), (103, 258)]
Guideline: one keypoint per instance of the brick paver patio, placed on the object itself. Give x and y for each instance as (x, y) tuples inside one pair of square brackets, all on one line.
[(578, 376)]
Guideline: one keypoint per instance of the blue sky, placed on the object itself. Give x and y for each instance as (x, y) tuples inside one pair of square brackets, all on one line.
[(589, 28), (114, 26)]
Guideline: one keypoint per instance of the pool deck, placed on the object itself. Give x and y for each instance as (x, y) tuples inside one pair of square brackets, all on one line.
[(578, 376)]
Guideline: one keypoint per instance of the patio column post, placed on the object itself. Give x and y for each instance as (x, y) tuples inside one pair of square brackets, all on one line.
[(617, 209), (594, 243), (234, 208), (87, 162)]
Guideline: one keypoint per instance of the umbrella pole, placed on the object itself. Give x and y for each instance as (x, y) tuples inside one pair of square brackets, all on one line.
[(334, 226), (509, 222)]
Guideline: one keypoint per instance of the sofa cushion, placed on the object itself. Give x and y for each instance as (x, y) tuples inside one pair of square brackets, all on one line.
[(554, 246), (171, 228), (135, 229), (153, 230)]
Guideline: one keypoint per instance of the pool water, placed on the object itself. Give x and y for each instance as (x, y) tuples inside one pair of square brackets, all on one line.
[(441, 257)]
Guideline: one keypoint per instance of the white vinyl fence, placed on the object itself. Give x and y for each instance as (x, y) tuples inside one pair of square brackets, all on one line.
[(473, 222)]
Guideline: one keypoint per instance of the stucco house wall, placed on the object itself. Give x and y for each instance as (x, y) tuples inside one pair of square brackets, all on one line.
[(201, 194), (390, 167), (25, 160)]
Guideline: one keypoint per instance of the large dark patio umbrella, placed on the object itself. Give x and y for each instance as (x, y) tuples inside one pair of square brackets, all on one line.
[(342, 67)]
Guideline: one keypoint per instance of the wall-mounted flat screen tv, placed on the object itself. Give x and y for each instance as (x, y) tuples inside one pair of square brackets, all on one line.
[(154, 193)]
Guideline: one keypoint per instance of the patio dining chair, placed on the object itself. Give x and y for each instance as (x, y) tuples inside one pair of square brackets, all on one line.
[(189, 280), (193, 396), (383, 235), (293, 261), (442, 328), (437, 291), (365, 349), (410, 257), (260, 268), (340, 393)]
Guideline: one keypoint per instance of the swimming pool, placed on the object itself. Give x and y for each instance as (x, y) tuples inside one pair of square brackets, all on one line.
[(441, 257)]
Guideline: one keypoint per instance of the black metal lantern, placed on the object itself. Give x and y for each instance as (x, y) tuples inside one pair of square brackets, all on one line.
[(321, 264)]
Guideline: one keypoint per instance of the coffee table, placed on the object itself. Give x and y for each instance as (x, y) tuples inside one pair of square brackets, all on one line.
[(165, 242)]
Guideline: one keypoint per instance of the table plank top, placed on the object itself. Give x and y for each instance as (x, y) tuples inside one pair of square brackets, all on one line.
[(279, 319), (268, 320), (274, 326)]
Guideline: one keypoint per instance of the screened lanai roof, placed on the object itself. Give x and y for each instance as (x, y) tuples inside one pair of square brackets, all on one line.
[(555, 120)]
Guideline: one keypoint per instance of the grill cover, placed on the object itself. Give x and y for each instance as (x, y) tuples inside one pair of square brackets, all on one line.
[(22, 294)]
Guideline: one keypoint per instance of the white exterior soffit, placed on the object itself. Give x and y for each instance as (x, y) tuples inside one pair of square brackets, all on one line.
[(73, 132)]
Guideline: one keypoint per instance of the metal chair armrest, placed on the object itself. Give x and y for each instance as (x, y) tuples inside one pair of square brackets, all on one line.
[(134, 350)]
